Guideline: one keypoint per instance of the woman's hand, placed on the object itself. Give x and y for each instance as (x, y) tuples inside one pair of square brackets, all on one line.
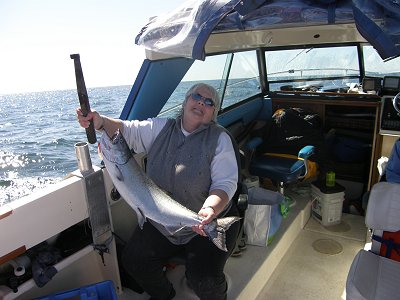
[(212, 206), (92, 115), (208, 215)]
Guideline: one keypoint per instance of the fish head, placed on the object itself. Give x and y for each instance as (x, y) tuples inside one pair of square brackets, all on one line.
[(114, 150)]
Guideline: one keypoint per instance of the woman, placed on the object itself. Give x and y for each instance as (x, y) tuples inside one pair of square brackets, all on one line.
[(192, 158)]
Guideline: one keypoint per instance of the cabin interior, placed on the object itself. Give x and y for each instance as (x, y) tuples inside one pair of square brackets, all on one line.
[(352, 111)]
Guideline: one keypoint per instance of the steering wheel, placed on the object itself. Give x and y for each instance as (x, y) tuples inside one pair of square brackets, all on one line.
[(395, 102)]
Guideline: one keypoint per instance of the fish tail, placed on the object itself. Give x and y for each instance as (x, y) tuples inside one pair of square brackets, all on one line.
[(218, 236)]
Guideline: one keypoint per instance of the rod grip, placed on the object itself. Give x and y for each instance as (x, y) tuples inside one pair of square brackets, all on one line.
[(83, 97)]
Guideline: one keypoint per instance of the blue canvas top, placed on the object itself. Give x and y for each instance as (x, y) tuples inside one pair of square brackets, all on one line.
[(185, 30)]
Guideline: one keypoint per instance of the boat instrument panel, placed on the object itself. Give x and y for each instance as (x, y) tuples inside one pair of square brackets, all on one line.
[(390, 118)]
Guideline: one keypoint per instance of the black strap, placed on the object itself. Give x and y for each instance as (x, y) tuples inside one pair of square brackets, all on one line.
[(389, 243), (103, 248)]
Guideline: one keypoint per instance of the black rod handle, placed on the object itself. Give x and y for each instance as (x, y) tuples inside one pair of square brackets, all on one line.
[(83, 97)]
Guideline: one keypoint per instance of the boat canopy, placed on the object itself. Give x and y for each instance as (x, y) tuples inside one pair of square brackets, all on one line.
[(185, 31)]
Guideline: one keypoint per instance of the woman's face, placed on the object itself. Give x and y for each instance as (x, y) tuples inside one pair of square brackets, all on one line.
[(196, 111)]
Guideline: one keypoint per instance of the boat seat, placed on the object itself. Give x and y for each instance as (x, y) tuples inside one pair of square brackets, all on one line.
[(281, 169), (372, 275)]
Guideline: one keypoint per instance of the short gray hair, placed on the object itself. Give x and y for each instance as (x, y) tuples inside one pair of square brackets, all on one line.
[(211, 90)]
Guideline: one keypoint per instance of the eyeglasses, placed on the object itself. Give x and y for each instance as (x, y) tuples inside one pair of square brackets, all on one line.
[(206, 101)]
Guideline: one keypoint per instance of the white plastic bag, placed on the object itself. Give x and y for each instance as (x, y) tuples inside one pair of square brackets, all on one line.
[(263, 217)]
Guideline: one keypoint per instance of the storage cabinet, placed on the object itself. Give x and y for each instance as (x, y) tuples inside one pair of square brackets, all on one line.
[(352, 118)]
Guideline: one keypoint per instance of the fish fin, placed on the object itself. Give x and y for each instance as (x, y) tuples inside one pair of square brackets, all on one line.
[(226, 222), (119, 175), (179, 229), (140, 217), (218, 235), (172, 230)]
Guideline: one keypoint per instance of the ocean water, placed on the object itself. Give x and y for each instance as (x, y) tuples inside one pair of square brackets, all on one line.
[(38, 132), (37, 136)]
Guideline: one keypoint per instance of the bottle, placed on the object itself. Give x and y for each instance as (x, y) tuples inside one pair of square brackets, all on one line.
[(330, 179)]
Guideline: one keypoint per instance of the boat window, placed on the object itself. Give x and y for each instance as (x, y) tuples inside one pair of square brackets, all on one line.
[(243, 80), (376, 67), (313, 69), (235, 77)]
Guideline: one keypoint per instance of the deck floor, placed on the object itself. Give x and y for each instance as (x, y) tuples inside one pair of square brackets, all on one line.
[(302, 273), (307, 274)]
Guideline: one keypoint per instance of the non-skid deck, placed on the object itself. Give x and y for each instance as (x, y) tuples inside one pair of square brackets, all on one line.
[(306, 273)]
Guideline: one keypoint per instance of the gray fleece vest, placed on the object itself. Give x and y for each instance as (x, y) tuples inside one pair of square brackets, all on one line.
[(182, 167)]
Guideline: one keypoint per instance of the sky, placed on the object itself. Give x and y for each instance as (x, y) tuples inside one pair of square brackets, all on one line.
[(38, 36)]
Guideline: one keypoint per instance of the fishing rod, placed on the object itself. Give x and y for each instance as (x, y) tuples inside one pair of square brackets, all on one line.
[(83, 97)]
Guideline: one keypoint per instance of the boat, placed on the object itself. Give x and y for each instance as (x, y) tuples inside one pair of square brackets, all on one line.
[(337, 60)]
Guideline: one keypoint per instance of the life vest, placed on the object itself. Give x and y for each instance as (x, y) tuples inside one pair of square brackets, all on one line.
[(389, 244), (383, 218)]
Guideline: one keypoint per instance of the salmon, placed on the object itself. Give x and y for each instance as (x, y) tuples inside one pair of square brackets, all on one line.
[(147, 199)]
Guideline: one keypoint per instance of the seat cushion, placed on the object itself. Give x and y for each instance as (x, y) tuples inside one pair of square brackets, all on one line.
[(280, 169), (373, 277)]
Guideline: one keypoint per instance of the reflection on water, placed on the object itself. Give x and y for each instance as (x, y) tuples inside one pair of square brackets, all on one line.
[(37, 136), (15, 188)]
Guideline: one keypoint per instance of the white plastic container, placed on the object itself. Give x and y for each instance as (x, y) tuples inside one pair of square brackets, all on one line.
[(327, 207)]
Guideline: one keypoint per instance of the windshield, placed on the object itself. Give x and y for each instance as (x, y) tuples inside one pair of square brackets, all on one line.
[(234, 76), (376, 67), (312, 68), (331, 69)]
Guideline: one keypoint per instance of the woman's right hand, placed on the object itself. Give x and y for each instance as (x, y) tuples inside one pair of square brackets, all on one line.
[(92, 115)]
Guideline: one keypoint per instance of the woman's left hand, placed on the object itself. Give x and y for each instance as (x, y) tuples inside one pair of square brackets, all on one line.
[(208, 215)]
